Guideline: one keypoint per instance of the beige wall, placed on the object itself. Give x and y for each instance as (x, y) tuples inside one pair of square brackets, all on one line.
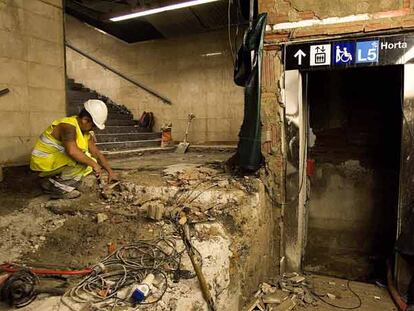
[(176, 68), (32, 67)]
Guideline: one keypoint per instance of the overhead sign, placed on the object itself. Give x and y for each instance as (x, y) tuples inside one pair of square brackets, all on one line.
[(367, 51), (344, 53), (320, 55), (386, 50)]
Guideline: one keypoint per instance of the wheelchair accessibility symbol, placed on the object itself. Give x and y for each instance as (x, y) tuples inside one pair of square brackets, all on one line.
[(344, 53)]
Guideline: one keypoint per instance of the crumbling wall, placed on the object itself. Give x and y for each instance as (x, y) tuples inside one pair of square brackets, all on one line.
[(380, 16), (340, 17), (295, 10), (194, 72), (32, 68)]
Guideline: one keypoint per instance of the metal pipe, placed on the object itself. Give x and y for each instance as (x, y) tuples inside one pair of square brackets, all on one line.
[(164, 99), (251, 13), (395, 295)]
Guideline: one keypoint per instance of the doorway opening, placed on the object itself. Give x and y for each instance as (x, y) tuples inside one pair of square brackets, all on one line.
[(354, 142)]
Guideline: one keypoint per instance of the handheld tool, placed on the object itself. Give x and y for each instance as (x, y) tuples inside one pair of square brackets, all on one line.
[(183, 146), (185, 234)]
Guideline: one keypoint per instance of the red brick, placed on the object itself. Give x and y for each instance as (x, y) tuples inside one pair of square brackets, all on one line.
[(268, 70), (393, 13), (272, 46), (407, 21), (323, 30), (380, 25), (276, 37)]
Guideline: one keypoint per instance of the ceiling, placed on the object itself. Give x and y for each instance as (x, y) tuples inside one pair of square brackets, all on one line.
[(191, 20)]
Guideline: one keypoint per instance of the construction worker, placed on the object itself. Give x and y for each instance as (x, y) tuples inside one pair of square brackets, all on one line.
[(66, 152)]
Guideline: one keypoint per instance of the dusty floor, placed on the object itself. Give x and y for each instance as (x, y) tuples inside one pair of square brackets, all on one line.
[(67, 234), (373, 297)]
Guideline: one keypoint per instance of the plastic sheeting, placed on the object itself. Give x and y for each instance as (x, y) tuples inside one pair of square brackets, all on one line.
[(248, 74)]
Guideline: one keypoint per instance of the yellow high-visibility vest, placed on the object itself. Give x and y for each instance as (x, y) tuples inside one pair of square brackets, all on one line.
[(49, 153)]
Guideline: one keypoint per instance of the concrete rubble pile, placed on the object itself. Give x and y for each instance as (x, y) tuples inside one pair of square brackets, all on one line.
[(189, 195), (190, 190), (284, 294)]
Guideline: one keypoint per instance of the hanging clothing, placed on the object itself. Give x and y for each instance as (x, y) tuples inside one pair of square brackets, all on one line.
[(49, 156)]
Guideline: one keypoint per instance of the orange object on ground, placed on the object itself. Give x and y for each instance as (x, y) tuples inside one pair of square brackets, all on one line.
[(10, 268)]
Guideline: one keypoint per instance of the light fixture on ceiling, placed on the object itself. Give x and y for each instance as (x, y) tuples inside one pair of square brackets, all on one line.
[(161, 9)]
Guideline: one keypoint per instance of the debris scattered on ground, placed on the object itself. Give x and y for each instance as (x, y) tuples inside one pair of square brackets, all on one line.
[(81, 231), (331, 296), (101, 217), (284, 294)]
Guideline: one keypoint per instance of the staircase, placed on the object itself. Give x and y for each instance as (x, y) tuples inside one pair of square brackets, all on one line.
[(122, 136)]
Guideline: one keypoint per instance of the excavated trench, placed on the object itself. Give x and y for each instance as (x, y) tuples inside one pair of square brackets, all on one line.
[(232, 227)]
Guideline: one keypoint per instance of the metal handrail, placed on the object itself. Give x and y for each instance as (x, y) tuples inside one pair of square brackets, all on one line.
[(4, 91), (164, 99)]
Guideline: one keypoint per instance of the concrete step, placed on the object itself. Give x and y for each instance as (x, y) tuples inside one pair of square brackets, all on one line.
[(79, 105), (75, 86), (122, 145), (120, 122), (119, 116), (80, 94), (72, 110), (119, 137), (123, 129)]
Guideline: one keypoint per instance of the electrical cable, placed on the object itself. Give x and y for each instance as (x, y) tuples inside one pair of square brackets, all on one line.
[(341, 307), (19, 290), (125, 267)]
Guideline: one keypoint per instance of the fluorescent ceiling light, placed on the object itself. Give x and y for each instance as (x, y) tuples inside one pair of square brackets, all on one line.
[(160, 9)]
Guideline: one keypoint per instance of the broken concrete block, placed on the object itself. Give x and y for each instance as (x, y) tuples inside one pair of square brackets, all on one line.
[(286, 305), (331, 296), (297, 279), (155, 211), (101, 217), (275, 298), (267, 288), (255, 305)]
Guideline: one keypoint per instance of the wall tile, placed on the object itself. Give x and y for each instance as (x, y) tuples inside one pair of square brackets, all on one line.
[(14, 124), (13, 72), (46, 76), (45, 52), (12, 45), (16, 100), (42, 99)]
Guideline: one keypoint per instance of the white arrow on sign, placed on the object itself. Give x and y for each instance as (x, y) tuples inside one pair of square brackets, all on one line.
[(299, 54)]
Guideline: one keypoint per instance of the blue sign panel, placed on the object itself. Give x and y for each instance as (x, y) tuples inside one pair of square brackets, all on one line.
[(344, 53), (367, 51), (358, 52)]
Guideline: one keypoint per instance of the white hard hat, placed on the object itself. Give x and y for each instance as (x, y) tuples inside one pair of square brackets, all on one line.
[(98, 111)]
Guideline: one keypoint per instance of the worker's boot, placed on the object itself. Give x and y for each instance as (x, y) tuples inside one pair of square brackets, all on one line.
[(59, 189)]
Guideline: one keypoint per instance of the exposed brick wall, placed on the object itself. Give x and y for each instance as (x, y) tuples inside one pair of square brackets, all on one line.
[(384, 16), (271, 119), (295, 10)]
